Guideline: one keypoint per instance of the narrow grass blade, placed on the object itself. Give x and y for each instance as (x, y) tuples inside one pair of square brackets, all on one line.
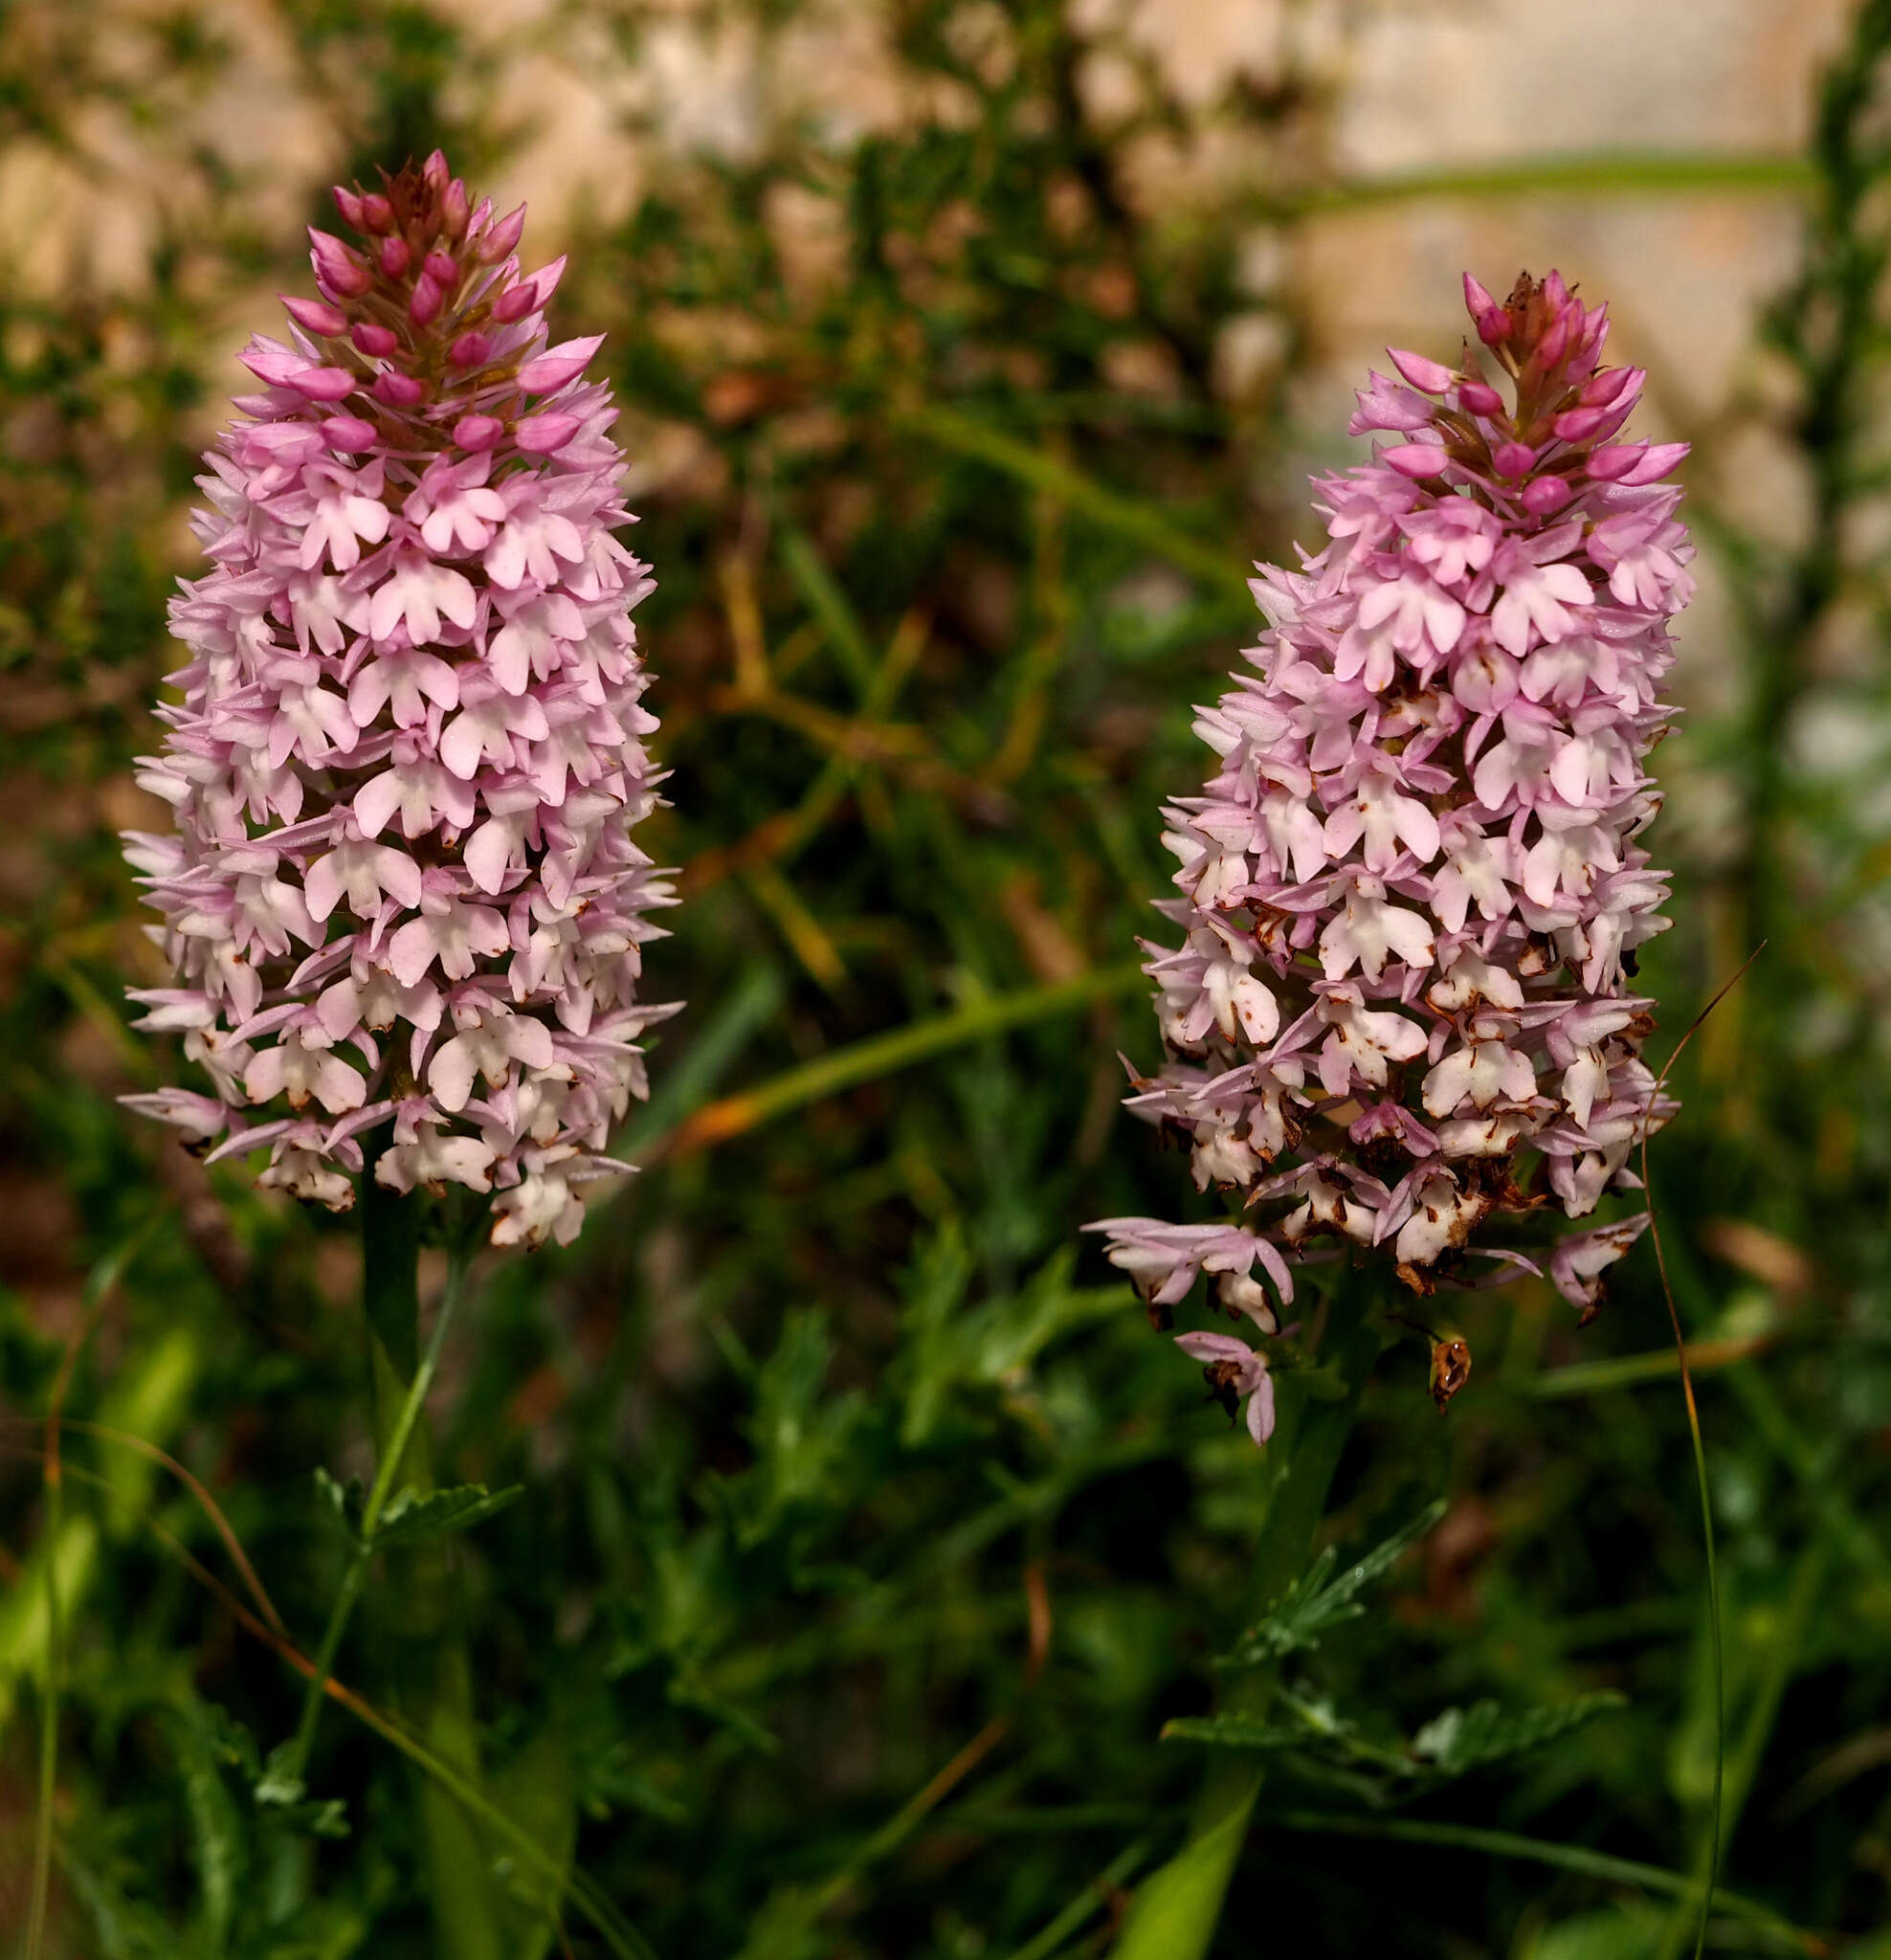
[(1094, 1895), (881, 1054), (1569, 1857), (1084, 495)]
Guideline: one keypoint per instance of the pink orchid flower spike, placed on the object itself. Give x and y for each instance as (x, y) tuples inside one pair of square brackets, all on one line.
[(1402, 1023), (401, 898)]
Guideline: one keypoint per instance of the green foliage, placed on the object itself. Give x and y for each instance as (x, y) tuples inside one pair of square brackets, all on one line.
[(1463, 1739), (414, 1520), (1316, 1600)]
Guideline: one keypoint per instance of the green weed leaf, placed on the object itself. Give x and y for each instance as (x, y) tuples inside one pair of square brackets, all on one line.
[(1464, 1738), (410, 1518), (340, 1502), (1318, 1602), (1232, 1732)]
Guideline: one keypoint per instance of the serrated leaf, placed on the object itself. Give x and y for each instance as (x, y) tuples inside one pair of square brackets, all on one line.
[(1232, 1732), (326, 1819), (412, 1519), (285, 1799), (1318, 1601), (217, 1841), (235, 1744), (123, 1928), (1465, 1739), (273, 1787)]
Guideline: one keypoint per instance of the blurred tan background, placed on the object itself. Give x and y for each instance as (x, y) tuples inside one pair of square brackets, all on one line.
[(135, 124)]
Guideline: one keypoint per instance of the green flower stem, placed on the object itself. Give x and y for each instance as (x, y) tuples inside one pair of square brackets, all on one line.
[(438, 1687), (438, 1682), (1174, 1912), (393, 1298)]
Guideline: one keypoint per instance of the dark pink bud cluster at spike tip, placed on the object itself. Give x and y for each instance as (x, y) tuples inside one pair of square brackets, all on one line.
[(1402, 1017), (401, 898)]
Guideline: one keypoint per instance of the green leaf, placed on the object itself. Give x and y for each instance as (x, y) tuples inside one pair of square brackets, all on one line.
[(1128, 516), (232, 1742), (217, 1841), (800, 1435), (932, 1321), (1173, 1914), (342, 1502), (829, 604), (1610, 1934), (274, 1785), (536, 1790), (781, 1930), (1317, 1601), (686, 1693), (412, 1519), (1465, 1739), (285, 1796), (1232, 1732), (124, 1929)]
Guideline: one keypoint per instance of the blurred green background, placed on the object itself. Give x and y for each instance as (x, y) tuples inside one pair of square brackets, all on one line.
[(968, 354)]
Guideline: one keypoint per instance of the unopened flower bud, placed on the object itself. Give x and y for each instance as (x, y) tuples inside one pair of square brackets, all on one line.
[(323, 384), (564, 363), (317, 316), (543, 434), (349, 433), (1493, 324), (502, 241), (399, 390), (478, 431), (423, 306), (1606, 389), (1417, 460), (1543, 493), (338, 269), (1433, 377), (395, 256)]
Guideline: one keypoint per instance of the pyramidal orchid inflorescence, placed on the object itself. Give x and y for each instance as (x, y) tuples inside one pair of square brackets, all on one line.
[(401, 898), (1402, 1016)]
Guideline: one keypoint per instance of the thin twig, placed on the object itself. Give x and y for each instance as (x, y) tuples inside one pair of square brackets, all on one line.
[(219, 1524)]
